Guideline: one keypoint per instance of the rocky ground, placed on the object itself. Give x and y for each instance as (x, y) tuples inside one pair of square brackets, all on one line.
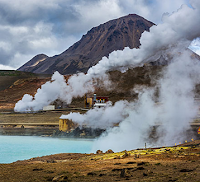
[(179, 163)]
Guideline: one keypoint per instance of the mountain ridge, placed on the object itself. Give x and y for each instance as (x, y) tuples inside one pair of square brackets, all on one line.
[(100, 41)]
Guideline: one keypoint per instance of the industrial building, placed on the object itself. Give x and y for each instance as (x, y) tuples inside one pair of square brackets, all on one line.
[(90, 101), (95, 101)]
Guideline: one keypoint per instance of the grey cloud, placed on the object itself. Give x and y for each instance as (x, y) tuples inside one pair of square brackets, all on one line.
[(63, 22), (4, 57), (19, 16)]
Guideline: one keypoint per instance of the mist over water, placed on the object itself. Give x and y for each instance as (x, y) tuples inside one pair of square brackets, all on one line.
[(175, 87)]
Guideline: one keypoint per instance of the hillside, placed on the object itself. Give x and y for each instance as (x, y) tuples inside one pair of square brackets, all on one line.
[(98, 42), (8, 77), (123, 84), (14, 84)]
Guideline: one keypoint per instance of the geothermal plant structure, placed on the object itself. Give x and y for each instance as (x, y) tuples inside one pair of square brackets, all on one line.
[(91, 101), (95, 101)]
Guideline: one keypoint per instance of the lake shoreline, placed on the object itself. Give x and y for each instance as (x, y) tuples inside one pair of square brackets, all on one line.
[(178, 163)]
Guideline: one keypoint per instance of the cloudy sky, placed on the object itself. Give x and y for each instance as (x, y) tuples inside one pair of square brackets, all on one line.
[(32, 27)]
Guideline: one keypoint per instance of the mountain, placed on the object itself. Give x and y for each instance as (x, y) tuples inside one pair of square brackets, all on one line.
[(98, 42), (33, 63)]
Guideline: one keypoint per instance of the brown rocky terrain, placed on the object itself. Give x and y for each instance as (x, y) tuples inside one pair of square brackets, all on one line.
[(98, 42), (15, 84), (179, 163), (123, 84)]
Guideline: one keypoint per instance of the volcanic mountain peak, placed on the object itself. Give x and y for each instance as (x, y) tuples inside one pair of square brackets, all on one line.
[(100, 41)]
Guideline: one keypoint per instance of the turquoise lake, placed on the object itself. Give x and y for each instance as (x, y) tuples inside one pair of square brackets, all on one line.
[(13, 148)]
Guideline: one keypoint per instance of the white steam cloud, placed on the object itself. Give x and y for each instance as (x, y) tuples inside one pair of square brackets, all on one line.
[(176, 88), (77, 85), (103, 117), (174, 113), (182, 26)]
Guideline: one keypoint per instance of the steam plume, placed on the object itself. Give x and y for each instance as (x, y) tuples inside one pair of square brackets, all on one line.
[(104, 117), (169, 39), (174, 114), (77, 85), (182, 26)]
